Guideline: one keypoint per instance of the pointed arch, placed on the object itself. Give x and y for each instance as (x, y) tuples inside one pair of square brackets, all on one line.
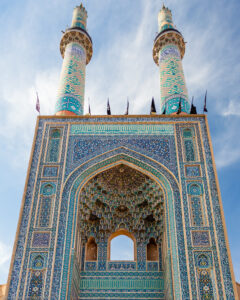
[(156, 171), (152, 250), (91, 249)]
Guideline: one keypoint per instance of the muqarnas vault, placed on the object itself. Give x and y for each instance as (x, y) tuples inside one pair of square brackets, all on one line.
[(149, 177)]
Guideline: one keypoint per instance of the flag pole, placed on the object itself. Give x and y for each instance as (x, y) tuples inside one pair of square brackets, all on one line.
[(38, 104)]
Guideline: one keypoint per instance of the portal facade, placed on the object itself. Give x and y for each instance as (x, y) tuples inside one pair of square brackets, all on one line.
[(149, 177)]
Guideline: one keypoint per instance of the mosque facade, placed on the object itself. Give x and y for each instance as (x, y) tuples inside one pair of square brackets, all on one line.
[(150, 177)]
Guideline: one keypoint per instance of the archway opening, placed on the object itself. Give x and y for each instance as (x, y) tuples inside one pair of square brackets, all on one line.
[(152, 250), (122, 248), (91, 250), (123, 209)]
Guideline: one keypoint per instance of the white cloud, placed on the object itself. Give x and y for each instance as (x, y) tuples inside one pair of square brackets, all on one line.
[(227, 155), (233, 108), (124, 69), (5, 255), (226, 143), (17, 125)]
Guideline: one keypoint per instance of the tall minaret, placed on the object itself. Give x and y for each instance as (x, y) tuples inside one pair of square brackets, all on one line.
[(76, 50), (168, 51)]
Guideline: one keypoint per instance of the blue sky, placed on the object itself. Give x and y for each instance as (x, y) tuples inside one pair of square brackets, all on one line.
[(121, 67)]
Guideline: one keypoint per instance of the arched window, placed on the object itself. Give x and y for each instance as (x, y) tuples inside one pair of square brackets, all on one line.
[(91, 249), (54, 145), (188, 141), (121, 246), (152, 250)]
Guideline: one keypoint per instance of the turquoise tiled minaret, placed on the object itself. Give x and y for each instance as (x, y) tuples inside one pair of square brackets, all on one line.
[(168, 51), (76, 50)]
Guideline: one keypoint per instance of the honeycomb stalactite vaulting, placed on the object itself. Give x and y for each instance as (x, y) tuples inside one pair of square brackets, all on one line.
[(121, 197)]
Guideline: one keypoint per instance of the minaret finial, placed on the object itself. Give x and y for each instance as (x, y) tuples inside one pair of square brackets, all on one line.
[(76, 50), (168, 50)]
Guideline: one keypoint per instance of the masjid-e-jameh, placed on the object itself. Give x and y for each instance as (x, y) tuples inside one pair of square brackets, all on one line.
[(151, 178)]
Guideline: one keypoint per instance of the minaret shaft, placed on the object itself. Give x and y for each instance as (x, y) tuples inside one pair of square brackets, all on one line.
[(168, 51), (172, 82), (72, 80), (76, 49)]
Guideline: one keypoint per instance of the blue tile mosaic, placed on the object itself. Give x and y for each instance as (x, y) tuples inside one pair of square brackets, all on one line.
[(50, 171), (192, 171), (200, 238), (41, 239), (161, 156)]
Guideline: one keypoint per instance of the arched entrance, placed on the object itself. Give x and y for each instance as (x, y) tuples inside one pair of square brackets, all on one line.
[(68, 223), (120, 200)]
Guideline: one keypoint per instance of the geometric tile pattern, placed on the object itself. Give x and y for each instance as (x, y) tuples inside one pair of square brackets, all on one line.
[(36, 285), (205, 285), (72, 81), (41, 239), (204, 269), (200, 238), (189, 144), (127, 285), (168, 51), (53, 145), (172, 83), (50, 171), (197, 217), (192, 171), (45, 212), (202, 232), (79, 17)]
